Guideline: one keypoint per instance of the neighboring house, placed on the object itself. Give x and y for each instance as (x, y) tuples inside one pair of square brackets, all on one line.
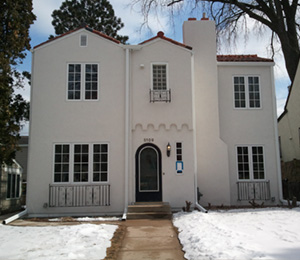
[(289, 123), (10, 187), (22, 158), (115, 124)]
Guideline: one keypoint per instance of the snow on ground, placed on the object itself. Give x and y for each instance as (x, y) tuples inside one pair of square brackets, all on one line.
[(87, 219), (85, 241), (240, 234)]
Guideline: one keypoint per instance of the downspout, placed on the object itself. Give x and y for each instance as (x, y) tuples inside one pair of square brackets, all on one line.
[(128, 49), (127, 130), (14, 217), (197, 205)]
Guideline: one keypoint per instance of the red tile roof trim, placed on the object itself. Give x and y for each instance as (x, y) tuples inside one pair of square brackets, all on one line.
[(85, 27), (162, 36), (242, 58)]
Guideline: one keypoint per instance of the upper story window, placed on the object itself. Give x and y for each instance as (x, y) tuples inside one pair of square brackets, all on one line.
[(159, 76), (159, 79), (83, 40), (83, 81), (246, 92), (250, 162)]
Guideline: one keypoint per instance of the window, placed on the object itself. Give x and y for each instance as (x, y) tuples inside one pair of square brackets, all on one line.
[(179, 162), (74, 81), (83, 40), (100, 166), (13, 182), (159, 76), (80, 163), (179, 151), (159, 82), (246, 92), (83, 77), (61, 163), (250, 163)]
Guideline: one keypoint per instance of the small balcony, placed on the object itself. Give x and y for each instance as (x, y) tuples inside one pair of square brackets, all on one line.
[(255, 190), (160, 95), (79, 195)]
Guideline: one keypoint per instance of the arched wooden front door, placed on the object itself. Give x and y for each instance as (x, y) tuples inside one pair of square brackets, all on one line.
[(148, 173)]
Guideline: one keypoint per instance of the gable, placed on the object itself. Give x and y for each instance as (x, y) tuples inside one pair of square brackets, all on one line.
[(75, 31), (160, 36)]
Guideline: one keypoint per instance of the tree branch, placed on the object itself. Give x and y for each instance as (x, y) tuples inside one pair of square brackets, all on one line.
[(174, 2)]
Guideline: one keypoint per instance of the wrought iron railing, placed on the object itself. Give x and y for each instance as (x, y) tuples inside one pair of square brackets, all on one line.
[(257, 190), (160, 95), (79, 195)]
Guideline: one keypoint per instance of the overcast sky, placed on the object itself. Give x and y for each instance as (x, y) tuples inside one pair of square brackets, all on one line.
[(132, 19)]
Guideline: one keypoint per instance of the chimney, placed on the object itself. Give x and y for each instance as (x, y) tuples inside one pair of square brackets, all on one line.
[(204, 18)]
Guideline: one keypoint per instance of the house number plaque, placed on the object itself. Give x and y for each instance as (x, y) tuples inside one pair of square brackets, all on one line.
[(149, 140)]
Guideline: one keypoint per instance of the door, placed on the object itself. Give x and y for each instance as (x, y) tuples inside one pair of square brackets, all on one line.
[(148, 173)]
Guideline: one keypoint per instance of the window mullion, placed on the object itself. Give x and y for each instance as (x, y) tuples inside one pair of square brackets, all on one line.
[(83, 81), (250, 154), (246, 79), (91, 159), (71, 159)]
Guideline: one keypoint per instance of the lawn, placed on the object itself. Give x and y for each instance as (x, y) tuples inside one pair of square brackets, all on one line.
[(271, 233)]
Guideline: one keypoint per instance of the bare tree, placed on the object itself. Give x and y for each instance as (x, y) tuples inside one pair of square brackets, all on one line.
[(280, 16)]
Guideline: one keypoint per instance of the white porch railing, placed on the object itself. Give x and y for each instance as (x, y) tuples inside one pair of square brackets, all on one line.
[(79, 195), (257, 190)]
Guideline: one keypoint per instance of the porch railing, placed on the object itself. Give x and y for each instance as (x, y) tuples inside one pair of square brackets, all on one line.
[(258, 190), (79, 195), (160, 95)]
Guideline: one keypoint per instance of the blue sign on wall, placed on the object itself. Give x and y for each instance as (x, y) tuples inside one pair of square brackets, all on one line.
[(179, 166)]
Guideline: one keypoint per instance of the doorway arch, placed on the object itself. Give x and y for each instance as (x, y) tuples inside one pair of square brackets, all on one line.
[(148, 173)]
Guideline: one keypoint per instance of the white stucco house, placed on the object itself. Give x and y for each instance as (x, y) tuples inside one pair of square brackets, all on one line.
[(289, 123), (115, 124)]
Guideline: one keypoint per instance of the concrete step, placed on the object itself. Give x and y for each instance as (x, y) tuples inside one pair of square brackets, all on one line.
[(149, 215), (149, 210)]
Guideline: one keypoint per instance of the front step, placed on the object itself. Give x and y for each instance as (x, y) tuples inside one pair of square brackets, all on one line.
[(149, 210)]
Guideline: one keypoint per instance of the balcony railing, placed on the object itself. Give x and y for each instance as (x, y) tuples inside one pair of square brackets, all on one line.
[(258, 190), (160, 95), (79, 195)]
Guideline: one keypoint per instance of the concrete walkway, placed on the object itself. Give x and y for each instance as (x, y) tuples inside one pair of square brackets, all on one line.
[(141, 239), (150, 240)]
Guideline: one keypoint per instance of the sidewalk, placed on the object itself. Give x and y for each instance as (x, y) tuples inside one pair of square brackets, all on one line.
[(150, 240)]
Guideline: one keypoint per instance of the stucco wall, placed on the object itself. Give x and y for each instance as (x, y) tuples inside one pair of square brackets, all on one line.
[(54, 119), (249, 126), (162, 122), (212, 157)]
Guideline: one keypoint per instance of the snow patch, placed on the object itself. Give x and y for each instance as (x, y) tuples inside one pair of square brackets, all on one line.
[(85, 241), (240, 234)]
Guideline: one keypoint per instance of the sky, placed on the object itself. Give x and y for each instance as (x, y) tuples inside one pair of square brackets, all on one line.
[(132, 19)]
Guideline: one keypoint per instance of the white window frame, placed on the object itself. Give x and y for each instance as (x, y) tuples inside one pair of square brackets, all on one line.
[(90, 163), (83, 81), (250, 162), (80, 40), (167, 74), (247, 98)]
